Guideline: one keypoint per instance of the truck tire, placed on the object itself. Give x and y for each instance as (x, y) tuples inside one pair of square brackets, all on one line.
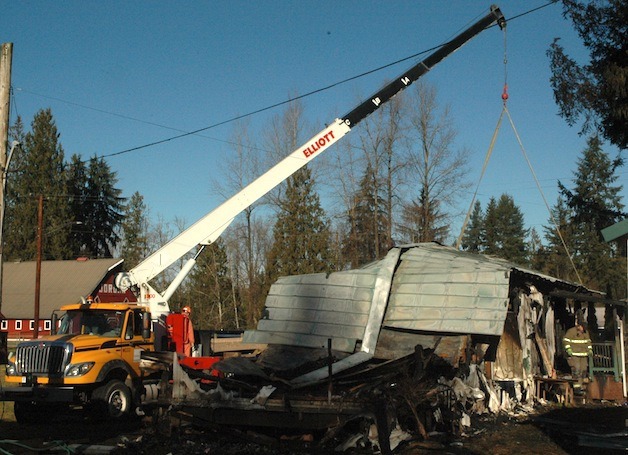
[(113, 400)]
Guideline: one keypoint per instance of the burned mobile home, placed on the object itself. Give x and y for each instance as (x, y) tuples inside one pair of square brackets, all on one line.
[(413, 342)]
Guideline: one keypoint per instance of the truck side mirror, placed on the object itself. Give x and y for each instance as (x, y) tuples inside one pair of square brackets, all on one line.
[(53, 324), (146, 325)]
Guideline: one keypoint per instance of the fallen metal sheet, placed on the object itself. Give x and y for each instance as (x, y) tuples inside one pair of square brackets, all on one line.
[(424, 287)]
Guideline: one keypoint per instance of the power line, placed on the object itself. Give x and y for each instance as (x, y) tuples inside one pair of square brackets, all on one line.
[(115, 114), (263, 109)]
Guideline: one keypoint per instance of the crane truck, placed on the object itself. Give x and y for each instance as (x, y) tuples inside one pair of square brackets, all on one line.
[(94, 360)]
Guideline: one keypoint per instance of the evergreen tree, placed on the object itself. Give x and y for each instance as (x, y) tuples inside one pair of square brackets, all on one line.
[(596, 91), (39, 170), (505, 230), (15, 236), (135, 232), (595, 199), (558, 263), (423, 221), (102, 211), (365, 227), (473, 239), (537, 251), (594, 204), (210, 291), (491, 229), (76, 181), (301, 233), (81, 207)]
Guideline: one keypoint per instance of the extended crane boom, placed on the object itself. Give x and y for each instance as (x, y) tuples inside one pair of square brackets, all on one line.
[(210, 227)]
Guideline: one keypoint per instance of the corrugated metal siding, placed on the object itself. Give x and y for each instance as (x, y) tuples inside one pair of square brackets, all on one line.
[(439, 289), (306, 310)]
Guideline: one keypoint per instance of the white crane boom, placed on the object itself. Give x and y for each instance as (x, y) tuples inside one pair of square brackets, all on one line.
[(210, 227)]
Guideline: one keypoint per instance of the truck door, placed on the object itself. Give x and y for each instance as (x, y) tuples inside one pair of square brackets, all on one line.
[(133, 343)]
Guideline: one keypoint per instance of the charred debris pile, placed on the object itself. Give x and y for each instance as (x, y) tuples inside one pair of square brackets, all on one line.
[(417, 343)]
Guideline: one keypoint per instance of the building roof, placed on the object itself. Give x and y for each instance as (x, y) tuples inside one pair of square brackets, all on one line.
[(615, 231), (62, 282)]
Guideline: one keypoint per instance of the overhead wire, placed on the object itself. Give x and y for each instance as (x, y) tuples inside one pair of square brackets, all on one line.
[(242, 116), (272, 106), (484, 167)]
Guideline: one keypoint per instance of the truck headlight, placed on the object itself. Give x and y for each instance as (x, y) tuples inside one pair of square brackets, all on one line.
[(79, 369), (10, 366), (11, 370)]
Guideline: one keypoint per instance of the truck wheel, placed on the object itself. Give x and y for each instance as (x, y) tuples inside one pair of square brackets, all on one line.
[(112, 400)]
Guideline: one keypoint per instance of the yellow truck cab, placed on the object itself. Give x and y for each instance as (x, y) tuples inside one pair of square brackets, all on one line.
[(92, 361)]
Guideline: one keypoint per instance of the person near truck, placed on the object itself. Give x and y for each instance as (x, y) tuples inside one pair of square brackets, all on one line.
[(188, 343), (577, 345)]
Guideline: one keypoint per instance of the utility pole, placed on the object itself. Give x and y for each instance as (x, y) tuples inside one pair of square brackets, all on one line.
[(6, 56), (40, 235)]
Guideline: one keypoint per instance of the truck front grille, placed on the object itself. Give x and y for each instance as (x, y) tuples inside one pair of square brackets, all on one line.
[(42, 358)]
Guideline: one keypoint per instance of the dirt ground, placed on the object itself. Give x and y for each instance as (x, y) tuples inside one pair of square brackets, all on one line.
[(550, 430)]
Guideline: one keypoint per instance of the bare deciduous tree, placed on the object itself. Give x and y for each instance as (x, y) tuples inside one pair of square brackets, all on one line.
[(436, 172), (242, 241)]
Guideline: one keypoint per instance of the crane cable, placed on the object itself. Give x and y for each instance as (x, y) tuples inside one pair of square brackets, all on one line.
[(536, 180), (525, 155), (486, 159), (489, 152)]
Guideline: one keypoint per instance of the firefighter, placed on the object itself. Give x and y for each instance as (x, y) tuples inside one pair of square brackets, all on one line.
[(188, 344), (577, 345)]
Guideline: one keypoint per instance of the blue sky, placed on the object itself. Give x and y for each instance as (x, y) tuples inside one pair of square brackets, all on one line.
[(119, 75)]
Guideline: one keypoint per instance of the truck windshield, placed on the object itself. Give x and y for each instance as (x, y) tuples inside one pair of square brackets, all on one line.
[(107, 323)]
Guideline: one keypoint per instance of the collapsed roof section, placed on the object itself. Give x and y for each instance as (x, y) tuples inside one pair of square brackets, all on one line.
[(422, 288), (401, 340)]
